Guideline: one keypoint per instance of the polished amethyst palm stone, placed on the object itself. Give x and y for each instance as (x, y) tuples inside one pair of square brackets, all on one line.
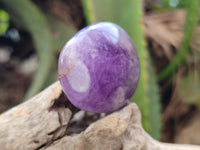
[(99, 68)]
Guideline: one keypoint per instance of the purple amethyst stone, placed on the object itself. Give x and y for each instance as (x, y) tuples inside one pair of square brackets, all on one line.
[(99, 68)]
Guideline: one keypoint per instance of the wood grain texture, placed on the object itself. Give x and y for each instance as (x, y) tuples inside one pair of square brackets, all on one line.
[(41, 124), (33, 123)]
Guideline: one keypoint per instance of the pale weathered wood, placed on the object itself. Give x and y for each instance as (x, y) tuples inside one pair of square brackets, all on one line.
[(32, 124), (40, 124), (119, 131)]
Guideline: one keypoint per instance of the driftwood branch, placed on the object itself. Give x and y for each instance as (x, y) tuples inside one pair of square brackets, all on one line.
[(41, 123), (34, 123)]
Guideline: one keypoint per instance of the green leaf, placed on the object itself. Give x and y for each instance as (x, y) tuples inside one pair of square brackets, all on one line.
[(63, 32), (128, 14), (191, 22), (26, 13), (154, 99), (189, 88), (4, 22)]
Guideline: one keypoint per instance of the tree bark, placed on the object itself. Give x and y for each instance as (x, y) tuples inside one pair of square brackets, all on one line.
[(41, 123)]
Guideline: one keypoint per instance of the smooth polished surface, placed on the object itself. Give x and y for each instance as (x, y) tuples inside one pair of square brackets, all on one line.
[(99, 68)]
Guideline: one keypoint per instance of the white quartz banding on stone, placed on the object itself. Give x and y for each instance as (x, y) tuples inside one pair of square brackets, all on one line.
[(99, 72), (79, 77), (118, 97), (109, 30), (114, 33)]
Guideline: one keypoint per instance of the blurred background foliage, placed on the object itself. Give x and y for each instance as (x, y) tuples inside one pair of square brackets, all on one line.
[(165, 32)]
